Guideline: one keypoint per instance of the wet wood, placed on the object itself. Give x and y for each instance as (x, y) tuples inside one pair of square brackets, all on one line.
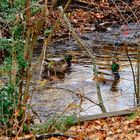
[(49, 135), (106, 115), (27, 137)]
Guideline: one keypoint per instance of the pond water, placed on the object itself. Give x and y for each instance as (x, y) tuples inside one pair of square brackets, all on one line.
[(77, 91)]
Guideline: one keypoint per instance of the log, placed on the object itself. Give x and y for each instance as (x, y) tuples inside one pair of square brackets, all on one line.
[(49, 135), (106, 115)]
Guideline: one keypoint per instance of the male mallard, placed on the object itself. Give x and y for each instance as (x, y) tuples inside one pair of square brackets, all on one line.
[(53, 68), (115, 68)]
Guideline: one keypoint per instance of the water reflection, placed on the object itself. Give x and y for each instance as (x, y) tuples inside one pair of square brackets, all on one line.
[(79, 78), (114, 86)]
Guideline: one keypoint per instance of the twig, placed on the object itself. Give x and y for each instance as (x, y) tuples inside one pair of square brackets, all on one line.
[(134, 80), (77, 93), (3, 80)]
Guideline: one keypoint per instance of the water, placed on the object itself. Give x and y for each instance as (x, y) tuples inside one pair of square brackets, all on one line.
[(76, 91)]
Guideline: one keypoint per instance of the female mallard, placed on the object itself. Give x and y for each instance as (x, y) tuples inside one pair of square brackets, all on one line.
[(115, 68), (57, 69)]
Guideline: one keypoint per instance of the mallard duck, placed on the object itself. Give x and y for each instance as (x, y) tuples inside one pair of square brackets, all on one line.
[(115, 68), (56, 68)]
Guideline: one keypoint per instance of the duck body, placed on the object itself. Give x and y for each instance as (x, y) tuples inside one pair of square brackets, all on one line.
[(56, 68)]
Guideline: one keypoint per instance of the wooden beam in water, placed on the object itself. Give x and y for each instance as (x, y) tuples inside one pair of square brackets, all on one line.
[(106, 115)]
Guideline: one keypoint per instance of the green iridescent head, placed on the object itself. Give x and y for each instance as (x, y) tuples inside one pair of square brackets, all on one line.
[(68, 57)]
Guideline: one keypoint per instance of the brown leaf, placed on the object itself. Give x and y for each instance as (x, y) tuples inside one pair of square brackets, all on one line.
[(53, 138), (137, 137)]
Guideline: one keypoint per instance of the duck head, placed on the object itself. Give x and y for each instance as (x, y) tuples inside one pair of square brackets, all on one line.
[(68, 59)]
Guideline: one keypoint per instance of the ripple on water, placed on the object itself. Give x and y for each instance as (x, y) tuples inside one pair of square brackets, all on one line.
[(80, 80)]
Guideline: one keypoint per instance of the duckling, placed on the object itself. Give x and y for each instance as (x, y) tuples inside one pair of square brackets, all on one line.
[(56, 69), (115, 67)]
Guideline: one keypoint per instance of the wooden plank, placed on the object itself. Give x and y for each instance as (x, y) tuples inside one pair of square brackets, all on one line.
[(105, 115)]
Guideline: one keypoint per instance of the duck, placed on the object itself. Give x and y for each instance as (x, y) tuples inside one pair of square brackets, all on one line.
[(55, 69), (115, 67)]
